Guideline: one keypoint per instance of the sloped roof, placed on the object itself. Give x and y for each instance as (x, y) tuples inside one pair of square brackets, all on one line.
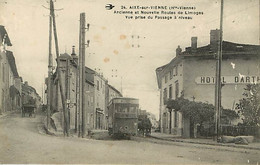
[(4, 34), (89, 75), (65, 55), (227, 47), (113, 88), (158, 71), (12, 63), (235, 47)]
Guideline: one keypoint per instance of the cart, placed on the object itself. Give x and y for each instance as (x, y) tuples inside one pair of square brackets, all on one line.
[(28, 109)]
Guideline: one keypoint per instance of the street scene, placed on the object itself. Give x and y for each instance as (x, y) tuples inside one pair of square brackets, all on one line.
[(129, 82), (23, 141)]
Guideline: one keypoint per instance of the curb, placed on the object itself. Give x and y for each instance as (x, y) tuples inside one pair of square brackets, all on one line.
[(203, 143)]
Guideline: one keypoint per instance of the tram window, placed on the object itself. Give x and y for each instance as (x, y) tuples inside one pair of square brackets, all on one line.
[(124, 109), (117, 108), (132, 109)]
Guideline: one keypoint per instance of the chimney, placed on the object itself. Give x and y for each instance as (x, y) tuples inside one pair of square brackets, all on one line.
[(73, 54), (194, 44), (178, 51), (214, 39), (73, 51)]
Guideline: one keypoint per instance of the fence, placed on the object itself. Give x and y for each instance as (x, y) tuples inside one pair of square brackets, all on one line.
[(231, 131), (241, 130)]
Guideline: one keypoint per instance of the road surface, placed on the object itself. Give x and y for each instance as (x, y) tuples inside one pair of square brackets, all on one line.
[(21, 142)]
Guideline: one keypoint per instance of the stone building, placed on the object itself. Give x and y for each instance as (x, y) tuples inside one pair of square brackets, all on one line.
[(95, 87), (191, 74), (89, 98), (68, 65), (10, 86), (99, 101)]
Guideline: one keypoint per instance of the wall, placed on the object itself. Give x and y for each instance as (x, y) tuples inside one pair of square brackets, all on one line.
[(5, 104), (177, 76), (69, 83), (231, 93), (190, 71), (89, 105), (99, 101), (71, 92)]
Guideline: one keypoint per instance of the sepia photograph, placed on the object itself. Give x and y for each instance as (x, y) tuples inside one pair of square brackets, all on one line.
[(130, 82)]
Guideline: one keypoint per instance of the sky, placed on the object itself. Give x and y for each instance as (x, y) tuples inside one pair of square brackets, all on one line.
[(114, 40)]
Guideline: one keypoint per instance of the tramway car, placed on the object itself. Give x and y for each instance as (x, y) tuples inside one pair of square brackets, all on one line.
[(122, 117)]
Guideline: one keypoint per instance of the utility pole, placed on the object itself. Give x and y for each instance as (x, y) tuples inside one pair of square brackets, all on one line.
[(259, 38), (83, 20), (67, 85), (81, 108), (77, 100), (65, 111), (49, 71), (218, 77), (80, 79), (121, 85)]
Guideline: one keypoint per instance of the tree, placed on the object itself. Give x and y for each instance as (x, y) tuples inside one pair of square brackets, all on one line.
[(198, 112), (250, 105)]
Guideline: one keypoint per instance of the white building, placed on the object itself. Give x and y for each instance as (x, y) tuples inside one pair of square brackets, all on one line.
[(191, 74)]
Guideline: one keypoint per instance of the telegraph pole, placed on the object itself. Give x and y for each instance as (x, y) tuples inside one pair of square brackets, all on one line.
[(80, 79), (49, 71), (65, 110), (77, 99), (218, 77), (121, 85), (83, 20), (81, 110), (67, 85), (259, 37)]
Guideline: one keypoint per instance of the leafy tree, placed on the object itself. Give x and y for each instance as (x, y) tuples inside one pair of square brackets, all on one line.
[(250, 105), (198, 112), (227, 115)]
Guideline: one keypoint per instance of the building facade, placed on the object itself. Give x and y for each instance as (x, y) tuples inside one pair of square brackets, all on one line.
[(10, 86), (99, 101), (191, 74), (89, 99), (95, 92), (68, 66)]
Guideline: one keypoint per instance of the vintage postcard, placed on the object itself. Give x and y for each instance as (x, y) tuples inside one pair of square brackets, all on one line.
[(129, 82)]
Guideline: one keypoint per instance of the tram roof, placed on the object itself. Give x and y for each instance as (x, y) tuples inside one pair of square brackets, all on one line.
[(124, 100)]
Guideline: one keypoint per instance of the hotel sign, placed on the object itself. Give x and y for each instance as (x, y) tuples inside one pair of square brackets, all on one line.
[(242, 79)]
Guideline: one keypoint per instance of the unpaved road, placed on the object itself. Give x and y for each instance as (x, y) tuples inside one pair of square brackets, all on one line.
[(21, 142)]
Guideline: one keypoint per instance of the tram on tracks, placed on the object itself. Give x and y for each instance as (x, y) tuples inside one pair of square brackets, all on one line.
[(123, 117)]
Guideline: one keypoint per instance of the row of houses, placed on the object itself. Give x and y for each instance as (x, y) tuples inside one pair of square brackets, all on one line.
[(191, 74), (97, 94), (13, 92)]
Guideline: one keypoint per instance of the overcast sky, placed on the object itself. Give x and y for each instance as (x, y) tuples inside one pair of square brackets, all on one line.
[(110, 35)]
